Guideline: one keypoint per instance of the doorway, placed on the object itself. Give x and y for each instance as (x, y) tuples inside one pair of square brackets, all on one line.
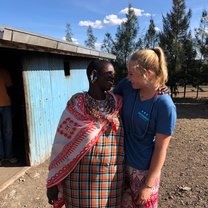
[(12, 60)]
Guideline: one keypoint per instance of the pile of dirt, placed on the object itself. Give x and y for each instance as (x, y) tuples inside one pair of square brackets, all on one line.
[(184, 180)]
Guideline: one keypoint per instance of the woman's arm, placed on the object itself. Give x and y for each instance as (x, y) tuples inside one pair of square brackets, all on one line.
[(157, 161), (158, 158), (52, 194)]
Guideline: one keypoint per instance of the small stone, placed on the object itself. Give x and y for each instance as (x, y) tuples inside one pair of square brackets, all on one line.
[(36, 175), (184, 188)]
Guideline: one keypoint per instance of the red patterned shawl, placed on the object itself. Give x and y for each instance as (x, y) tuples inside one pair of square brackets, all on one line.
[(77, 132)]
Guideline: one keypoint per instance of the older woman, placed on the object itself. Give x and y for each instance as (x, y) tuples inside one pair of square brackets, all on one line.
[(86, 166)]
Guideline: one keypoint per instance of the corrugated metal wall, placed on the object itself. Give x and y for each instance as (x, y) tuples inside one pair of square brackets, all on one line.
[(47, 91)]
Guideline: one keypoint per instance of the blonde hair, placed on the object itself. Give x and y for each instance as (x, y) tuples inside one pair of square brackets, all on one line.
[(154, 60)]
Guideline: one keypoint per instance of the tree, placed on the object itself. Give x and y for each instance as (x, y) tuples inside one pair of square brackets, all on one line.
[(151, 36), (68, 33), (107, 43), (91, 39), (201, 44), (201, 35), (125, 38), (173, 38), (125, 42), (186, 74)]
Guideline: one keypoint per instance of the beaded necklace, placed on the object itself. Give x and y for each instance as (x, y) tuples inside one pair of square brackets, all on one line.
[(99, 108)]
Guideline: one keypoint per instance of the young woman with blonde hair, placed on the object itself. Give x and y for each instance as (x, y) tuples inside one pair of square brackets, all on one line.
[(149, 120)]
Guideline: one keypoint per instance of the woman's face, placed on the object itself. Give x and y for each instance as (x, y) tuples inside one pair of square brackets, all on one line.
[(106, 77), (135, 76)]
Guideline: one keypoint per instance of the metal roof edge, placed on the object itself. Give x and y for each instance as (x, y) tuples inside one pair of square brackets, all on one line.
[(18, 36)]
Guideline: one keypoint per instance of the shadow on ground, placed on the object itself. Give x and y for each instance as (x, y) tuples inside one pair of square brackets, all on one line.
[(191, 108)]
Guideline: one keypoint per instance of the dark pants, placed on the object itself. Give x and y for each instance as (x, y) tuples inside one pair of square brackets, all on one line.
[(6, 132)]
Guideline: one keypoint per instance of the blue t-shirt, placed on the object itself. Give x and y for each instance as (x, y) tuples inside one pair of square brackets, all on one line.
[(142, 120)]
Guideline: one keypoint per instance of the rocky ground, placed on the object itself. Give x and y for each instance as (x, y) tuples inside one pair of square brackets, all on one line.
[(184, 177), (184, 181)]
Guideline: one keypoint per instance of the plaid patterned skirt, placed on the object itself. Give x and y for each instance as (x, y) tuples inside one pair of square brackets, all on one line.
[(134, 180), (98, 178)]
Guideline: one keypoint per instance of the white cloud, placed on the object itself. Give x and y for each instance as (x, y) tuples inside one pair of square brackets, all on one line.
[(98, 45), (108, 20), (157, 29), (97, 24), (113, 20), (138, 12), (74, 40)]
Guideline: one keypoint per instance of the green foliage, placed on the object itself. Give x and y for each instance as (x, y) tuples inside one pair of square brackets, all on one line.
[(91, 39), (184, 64), (151, 36), (121, 71), (125, 42), (176, 41), (125, 39), (201, 35), (68, 33), (107, 43), (189, 62), (201, 45)]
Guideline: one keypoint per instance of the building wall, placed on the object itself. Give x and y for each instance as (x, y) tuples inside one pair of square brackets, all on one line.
[(47, 91)]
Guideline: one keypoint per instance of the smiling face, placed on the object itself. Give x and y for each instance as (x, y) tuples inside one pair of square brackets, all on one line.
[(136, 76), (105, 78)]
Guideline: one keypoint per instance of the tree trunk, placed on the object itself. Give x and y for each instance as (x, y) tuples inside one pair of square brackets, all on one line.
[(184, 91), (197, 91)]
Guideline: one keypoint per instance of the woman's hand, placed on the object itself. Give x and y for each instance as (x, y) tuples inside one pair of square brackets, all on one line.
[(163, 90), (143, 195), (52, 194)]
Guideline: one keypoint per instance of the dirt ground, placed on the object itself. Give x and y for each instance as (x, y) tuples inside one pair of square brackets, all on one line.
[(184, 181)]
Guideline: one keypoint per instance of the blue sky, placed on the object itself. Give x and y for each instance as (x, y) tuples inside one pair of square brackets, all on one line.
[(49, 17)]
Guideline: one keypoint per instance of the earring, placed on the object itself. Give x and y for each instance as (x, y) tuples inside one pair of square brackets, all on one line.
[(93, 81), (93, 78)]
